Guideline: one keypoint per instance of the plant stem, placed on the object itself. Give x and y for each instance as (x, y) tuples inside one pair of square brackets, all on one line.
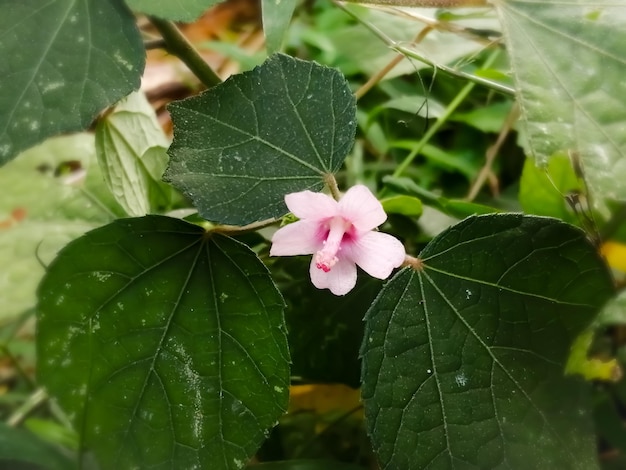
[(178, 45), (236, 229), (331, 182), (458, 99)]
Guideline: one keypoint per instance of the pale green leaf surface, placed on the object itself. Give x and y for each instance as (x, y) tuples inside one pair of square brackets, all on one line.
[(276, 18), (165, 345), (177, 10), (400, 26), (242, 145), (543, 190), (463, 361), (130, 146), (54, 209), (63, 62), (569, 65)]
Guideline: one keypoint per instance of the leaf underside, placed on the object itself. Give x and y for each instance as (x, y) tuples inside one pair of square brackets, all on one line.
[(568, 63), (463, 362)]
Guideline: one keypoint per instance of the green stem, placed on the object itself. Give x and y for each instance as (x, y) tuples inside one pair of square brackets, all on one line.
[(458, 99), (178, 45)]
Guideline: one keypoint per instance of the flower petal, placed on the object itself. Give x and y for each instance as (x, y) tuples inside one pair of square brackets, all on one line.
[(376, 253), (299, 238), (310, 205), (340, 279), (361, 207)]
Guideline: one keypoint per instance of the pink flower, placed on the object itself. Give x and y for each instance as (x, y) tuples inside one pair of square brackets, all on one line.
[(340, 235)]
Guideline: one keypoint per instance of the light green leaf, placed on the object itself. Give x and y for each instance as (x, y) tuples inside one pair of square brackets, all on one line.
[(64, 61), (20, 447), (179, 10), (130, 146), (276, 18), (405, 205), (41, 212), (242, 145), (543, 190), (569, 65), (453, 207), (164, 344), (463, 360)]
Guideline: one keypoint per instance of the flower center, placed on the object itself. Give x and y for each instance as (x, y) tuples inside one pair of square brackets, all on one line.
[(326, 258)]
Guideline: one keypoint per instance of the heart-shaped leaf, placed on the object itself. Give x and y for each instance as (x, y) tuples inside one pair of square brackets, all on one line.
[(81, 57), (164, 344), (569, 65), (463, 359), (242, 145)]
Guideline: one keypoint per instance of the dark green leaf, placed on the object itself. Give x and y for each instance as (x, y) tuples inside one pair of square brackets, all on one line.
[(179, 10), (305, 465), (325, 331), (18, 446), (64, 61), (164, 344), (241, 146), (463, 361), (568, 63)]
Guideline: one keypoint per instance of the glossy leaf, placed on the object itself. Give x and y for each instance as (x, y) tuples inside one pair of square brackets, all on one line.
[(41, 212), (130, 146), (568, 63), (81, 56), (165, 345), (276, 18), (180, 10), (241, 146), (463, 361)]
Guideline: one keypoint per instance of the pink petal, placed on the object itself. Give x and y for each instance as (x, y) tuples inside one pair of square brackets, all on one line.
[(376, 253), (361, 207), (340, 279), (310, 205), (298, 238)]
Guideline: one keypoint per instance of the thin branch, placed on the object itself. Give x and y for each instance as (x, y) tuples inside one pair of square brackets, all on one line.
[(178, 45), (492, 152), (236, 229)]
